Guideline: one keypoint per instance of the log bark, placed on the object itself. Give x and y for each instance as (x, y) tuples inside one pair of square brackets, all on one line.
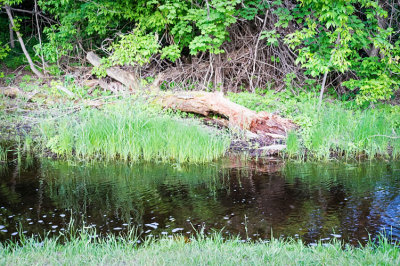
[(206, 103), (11, 92), (126, 78)]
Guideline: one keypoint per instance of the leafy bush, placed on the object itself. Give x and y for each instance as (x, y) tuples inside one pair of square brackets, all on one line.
[(334, 36), (200, 27)]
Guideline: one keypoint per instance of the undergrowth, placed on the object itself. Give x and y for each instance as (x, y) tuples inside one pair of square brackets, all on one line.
[(337, 129), (86, 248), (132, 132)]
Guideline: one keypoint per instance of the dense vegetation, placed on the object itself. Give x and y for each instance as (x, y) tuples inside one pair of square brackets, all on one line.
[(349, 46), (133, 132)]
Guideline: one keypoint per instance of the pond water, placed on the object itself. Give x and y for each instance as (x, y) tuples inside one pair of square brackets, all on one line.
[(253, 199)]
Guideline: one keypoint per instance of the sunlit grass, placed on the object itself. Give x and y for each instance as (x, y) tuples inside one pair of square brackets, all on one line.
[(132, 132), (341, 132), (86, 249), (337, 129)]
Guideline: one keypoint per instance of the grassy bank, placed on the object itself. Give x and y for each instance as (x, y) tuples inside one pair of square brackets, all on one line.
[(196, 251), (131, 131), (336, 129)]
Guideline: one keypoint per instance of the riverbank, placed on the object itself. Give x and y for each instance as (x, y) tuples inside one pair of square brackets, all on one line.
[(335, 130), (132, 127), (193, 251)]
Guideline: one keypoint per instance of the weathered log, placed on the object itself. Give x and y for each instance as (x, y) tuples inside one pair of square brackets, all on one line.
[(206, 103), (126, 78), (11, 92)]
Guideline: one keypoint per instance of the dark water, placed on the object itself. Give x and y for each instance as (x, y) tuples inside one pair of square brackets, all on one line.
[(311, 201)]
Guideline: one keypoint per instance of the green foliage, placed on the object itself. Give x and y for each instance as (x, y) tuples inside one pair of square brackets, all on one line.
[(200, 26), (59, 42), (3, 154), (10, 2), (272, 37), (292, 144), (134, 49), (251, 8), (335, 37), (171, 52), (3, 53)]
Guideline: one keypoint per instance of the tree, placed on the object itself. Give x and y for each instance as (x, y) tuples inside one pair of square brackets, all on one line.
[(6, 5)]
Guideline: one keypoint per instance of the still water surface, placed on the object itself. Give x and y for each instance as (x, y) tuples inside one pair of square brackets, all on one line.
[(253, 199)]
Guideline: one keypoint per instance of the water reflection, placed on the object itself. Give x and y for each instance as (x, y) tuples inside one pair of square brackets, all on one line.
[(251, 198)]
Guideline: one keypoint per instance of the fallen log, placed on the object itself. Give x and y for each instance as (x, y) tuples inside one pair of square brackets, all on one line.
[(206, 103), (126, 78), (267, 126), (11, 92)]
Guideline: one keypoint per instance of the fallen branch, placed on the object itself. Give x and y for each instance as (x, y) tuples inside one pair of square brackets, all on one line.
[(126, 78)]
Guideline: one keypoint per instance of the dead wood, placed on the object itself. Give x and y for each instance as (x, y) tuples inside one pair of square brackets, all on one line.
[(206, 103), (267, 126), (11, 92), (126, 78)]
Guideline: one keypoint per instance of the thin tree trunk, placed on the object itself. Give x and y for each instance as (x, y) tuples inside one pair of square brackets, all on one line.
[(321, 95), (21, 42), (253, 89), (12, 41), (39, 35)]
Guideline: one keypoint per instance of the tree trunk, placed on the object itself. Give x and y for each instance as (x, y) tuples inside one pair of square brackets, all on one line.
[(39, 35), (12, 41), (321, 95), (21, 42)]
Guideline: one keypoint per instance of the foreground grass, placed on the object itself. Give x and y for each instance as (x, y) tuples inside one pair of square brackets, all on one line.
[(336, 129), (131, 131), (199, 251)]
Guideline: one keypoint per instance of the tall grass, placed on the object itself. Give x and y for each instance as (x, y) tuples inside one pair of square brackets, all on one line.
[(336, 129), (86, 249), (3, 155), (133, 132), (349, 133)]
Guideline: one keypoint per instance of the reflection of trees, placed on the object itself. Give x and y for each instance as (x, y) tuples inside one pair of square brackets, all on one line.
[(345, 194), (306, 199)]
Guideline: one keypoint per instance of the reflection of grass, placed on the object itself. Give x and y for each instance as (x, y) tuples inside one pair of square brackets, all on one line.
[(84, 249), (127, 190), (133, 133)]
